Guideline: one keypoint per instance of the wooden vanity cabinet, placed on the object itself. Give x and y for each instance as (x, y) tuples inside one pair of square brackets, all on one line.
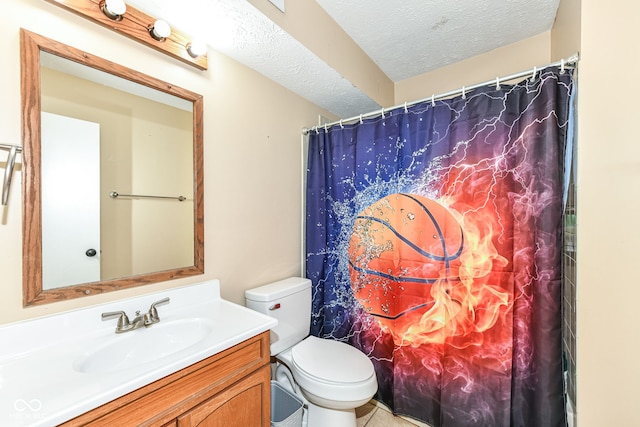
[(237, 406), (230, 389)]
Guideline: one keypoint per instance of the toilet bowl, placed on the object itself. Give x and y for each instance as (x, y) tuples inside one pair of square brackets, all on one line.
[(332, 377), (331, 373)]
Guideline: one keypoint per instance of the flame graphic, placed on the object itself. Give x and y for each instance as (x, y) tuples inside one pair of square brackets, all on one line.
[(464, 310)]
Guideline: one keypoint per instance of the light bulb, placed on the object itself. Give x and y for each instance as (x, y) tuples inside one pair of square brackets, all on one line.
[(114, 9), (196, 48), (160, 30)]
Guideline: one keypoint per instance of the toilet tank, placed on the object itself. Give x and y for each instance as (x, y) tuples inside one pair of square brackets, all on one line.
[(289, 301)]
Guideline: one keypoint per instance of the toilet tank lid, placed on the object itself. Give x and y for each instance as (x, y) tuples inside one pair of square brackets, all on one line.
[(278, 289)]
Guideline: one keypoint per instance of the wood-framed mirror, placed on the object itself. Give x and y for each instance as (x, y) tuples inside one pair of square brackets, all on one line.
[(112, 175)]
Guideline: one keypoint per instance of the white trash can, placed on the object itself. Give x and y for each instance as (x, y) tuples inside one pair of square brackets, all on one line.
[(286, 408)]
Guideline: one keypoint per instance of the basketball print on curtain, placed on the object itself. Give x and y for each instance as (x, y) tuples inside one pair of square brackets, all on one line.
[(411, 270), (404, 259)]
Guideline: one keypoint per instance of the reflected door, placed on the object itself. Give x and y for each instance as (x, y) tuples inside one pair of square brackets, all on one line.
[(70, 201)]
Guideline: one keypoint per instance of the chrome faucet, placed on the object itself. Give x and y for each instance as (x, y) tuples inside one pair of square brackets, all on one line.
[(147, 319)]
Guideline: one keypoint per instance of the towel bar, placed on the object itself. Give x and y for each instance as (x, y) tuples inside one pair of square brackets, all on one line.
[(115, 194)]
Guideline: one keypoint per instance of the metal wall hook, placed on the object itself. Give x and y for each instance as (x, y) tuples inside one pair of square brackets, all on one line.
[(8, 172)]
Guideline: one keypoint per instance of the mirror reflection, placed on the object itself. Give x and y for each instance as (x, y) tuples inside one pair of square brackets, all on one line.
[(118, 176)]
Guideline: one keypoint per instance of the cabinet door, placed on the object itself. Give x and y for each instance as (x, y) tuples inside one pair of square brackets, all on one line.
[(244, 404)]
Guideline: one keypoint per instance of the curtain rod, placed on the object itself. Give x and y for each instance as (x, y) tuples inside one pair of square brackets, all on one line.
[(532, 72)]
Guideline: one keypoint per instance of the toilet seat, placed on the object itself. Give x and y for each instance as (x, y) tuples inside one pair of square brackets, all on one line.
[(331, 362), (331, 374)]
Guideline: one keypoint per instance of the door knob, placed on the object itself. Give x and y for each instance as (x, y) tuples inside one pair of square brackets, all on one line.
[(91, 252)]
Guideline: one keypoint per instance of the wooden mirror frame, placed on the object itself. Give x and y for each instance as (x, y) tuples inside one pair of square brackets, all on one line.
[(33, 294)]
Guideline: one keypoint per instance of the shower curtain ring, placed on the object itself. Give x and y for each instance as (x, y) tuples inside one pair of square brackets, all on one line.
[(406, 110), (497, 83), (361, 119), (533, 77), (433, 100)]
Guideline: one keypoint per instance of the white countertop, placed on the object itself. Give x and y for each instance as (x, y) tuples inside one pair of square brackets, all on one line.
[(39, 385)]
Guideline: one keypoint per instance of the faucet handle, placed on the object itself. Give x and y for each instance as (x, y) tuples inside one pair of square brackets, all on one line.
[(162, 301), (153, 312), (123, 319)]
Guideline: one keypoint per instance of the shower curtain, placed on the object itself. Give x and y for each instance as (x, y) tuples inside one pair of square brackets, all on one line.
[(433, 242)]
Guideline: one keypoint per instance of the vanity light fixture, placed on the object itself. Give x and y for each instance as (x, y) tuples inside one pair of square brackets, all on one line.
[(196, 48), (160, 30), (114, 9), (137, 25)]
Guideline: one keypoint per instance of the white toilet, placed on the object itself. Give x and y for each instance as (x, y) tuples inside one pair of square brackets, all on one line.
[(333, 378)]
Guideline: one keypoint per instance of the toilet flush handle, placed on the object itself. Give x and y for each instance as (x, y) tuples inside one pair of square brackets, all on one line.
[(274, 307)]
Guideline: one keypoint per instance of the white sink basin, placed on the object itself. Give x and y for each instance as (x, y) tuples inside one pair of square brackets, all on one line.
[(140, 346)]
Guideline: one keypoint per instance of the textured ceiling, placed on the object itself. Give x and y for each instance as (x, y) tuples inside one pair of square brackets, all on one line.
[(404, 38), (412, 37)]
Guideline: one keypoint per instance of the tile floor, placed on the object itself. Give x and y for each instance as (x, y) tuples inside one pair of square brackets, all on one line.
[(375, 415)]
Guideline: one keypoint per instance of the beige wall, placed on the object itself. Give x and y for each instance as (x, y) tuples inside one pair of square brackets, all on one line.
[(500, 62), (162, 159), (252, 158), (608, 290), (565, 34)]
